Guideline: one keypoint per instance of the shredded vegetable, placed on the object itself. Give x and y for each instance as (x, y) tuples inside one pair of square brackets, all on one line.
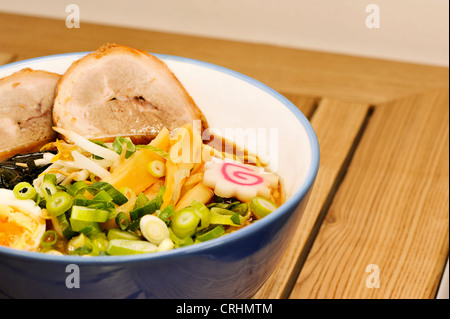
[(123, 198)]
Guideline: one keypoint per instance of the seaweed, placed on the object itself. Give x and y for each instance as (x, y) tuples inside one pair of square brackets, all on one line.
[(20, 168)]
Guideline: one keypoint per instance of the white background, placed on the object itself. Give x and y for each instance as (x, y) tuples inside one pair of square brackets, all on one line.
[(410, 30)]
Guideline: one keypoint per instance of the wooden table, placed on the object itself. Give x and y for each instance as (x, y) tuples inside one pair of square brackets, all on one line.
[(380, 205)]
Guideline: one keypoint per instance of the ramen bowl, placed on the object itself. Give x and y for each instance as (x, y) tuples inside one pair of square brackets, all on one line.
[(236, 265)]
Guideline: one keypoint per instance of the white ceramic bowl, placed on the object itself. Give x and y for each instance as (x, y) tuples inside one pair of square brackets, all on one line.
[(234, 105)]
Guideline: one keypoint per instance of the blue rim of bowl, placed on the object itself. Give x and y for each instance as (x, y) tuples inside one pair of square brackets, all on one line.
[(288, 206)]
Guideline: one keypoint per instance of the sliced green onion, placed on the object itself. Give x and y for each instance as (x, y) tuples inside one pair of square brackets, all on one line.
[(155, 149), (202, 212), (85, 227), (133, 225), (242, 209), (99, 241), (122, 220), (221, 219), (76, 242), (138, 213), (129, 247), (261, 206), (166, 244), (150, 207), (103, 196), (157, 168), (51, 178), (220, 205), (166, 214), (49, 238), (154, 229), (62, 226), (87, 249), (77, 188), (48, 186), (141, 201), (118, 146), (184, 222), (98, 204), (88, 214), (180, 242), (222, 211), (211, 234), (59, 203), (117, 197), (24, 191), (235, 218), (115, 233)]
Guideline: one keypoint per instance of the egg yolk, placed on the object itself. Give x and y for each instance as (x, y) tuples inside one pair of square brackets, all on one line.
[(19, 229)]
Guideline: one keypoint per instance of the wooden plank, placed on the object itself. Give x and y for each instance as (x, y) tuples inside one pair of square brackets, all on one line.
[(397, 181), (337, 125), (293, 71)]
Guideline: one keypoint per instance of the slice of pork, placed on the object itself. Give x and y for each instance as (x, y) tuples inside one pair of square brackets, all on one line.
[(120, 91), (26, 99)]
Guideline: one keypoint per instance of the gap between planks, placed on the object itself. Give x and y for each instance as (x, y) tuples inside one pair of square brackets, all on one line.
[(338, 127)]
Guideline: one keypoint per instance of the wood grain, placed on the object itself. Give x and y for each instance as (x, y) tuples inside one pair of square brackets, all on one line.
[(337, 125), (391, 209), (381, 195), (292, 71)]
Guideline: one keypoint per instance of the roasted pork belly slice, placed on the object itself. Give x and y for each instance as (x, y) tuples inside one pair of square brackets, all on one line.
[(26, 100), (120, 91)]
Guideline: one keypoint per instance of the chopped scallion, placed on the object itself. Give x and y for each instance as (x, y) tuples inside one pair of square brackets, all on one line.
[(211, 234), (77, 188), (184, 222), (115, 233), (261, 206), (103, 196), (117, 197), (59, 203), (157, 168), (118, 144), (166, 214), (88, 214), (24, 190), (48, 185), (122, 220), (166, 244), (221, 219), (155, 149), (154, 229), (49, 238), (86, 227), (129, 247), (203, 212)]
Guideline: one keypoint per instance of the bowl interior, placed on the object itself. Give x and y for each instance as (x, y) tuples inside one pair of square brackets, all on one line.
[(237, 107), (242, 110)]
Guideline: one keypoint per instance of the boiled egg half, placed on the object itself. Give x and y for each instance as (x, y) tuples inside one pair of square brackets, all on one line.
[(21, 222)]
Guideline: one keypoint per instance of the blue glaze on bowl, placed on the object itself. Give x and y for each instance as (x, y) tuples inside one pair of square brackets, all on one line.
[(232, 266)]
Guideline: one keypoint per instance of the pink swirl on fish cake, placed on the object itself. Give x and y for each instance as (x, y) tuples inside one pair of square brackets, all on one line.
[(240, 175)]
